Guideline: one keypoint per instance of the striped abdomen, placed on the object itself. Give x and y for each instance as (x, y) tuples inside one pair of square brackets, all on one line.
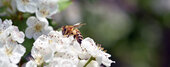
[(78, 36)]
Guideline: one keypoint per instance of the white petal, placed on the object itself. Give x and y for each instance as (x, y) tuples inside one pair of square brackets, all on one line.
[(20, 6), (7, 64), (0, 21), (31, 8), (91, 64), (10, 42), (18, 52), (53, 8), (31, 64), (40, 17), (7, 23), (14, 6), (44, 24), (48, 54), (66, 63), (34, 52), (99, 59), (47, 29), (76, 45), (16, 34), (3, 56), (61, 62), (107, 62), (20, 39), (31, 21), (29, 32), (90, 46), (36, 35)]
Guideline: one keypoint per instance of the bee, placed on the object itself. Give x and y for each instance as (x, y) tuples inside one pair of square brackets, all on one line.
[(73, 30)]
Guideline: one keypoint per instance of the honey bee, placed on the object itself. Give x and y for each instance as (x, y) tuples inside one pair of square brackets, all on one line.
[(73, 30)]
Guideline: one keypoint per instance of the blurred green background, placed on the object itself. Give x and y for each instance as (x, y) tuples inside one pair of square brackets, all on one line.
[(135, 32)]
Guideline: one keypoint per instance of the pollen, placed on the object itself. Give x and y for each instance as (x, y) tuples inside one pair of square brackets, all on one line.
[(44, 12), (50, 41), (38, 27), (8, 51), (25, 1), (39, 60)]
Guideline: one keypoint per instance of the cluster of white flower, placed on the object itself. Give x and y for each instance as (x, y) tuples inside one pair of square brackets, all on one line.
[(56, 50), (42, 8), (11, 49)]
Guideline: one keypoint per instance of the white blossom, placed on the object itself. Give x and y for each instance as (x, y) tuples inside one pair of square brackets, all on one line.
[(41, 52), (16, 34), (12, 52), (46, 8), (36, 28), (27, 5), (101, 57)]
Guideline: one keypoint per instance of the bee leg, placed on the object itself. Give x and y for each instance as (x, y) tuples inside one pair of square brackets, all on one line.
[(74, 36), (68, 35), (79, 40)]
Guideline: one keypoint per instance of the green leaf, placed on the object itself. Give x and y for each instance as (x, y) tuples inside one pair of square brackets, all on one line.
[(3, 9), (63, 4)]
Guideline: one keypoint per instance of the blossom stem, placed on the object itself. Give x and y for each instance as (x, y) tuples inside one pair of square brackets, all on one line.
[(91, 58)]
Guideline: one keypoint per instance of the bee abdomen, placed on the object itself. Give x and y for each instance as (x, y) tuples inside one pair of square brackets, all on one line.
[(79, 37)]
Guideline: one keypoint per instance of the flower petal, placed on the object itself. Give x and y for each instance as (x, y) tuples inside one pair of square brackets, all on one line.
[(20, 6), (36, 35), (17, 53), (40, 17), (47, 30), (31, 21), (7, 64), (31, 64), (29, 32), (31, 7)]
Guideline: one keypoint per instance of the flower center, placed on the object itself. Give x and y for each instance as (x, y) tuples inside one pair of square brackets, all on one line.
[(38, 27), (1, 31), (8, 51), (50, 41), (44, 12), (25, 1), (39, 60)]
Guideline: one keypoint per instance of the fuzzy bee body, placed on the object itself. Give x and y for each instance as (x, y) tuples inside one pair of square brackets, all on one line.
[(72, 30)]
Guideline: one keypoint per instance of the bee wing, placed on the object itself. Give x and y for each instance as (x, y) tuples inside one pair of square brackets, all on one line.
[(78, 25)]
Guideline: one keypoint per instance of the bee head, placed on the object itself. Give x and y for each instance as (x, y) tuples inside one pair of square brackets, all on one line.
[(63, 30)]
